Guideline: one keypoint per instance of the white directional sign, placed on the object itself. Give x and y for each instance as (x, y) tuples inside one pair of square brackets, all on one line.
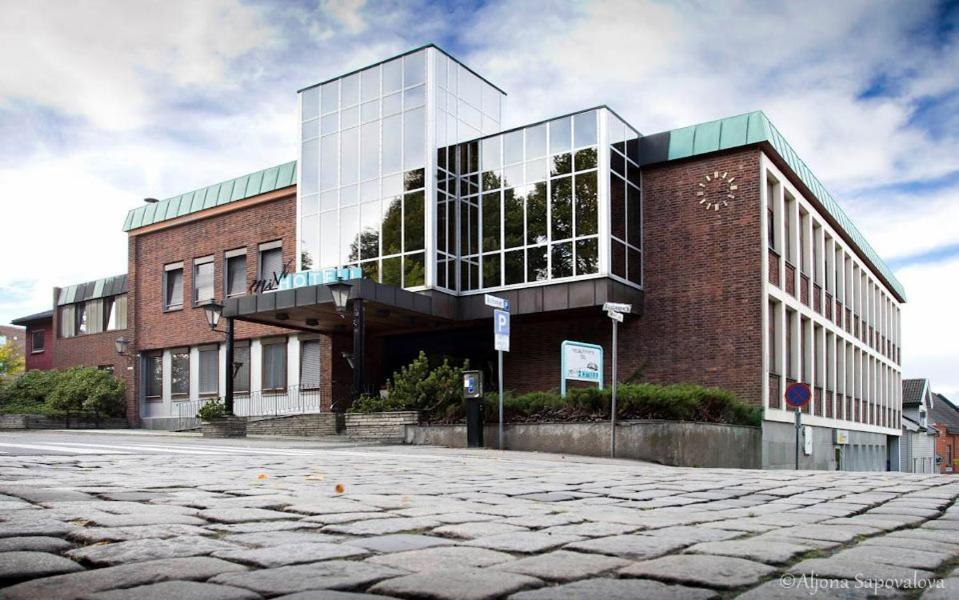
[(616, 316), (618, 307), (496, 302), (501, 330)]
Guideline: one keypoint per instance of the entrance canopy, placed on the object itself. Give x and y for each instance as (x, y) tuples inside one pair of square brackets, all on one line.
[(389, 309)]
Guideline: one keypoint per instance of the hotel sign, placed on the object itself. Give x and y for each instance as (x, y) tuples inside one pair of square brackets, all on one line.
[(289, 281)]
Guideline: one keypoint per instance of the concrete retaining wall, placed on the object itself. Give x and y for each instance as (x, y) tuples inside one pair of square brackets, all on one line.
[(383, 426), (666, 442), (865, 451), (48, 422)]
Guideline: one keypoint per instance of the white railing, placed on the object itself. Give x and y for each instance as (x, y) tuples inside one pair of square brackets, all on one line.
[(294, 401)]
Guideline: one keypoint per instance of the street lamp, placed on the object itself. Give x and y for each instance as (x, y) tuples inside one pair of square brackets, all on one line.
[(213, 312), (121, 344), (341, 295)]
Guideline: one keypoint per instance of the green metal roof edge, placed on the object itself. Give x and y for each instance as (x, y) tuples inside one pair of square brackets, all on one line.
[(726, 133), (102, 288), (238, 188)]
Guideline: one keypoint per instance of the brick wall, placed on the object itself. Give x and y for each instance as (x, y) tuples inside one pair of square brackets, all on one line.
[(946, 445), (246, 224), (40, 360), (98, 350), (322, 424)]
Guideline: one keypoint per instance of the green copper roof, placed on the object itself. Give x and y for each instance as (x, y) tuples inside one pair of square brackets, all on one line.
[(752, 128), (260, 182)]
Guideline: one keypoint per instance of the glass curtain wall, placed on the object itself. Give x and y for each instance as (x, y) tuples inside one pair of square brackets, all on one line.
[(539, 204), (368, 142)]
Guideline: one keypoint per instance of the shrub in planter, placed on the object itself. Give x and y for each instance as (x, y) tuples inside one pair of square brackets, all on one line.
[(211, 411), (418, 387)]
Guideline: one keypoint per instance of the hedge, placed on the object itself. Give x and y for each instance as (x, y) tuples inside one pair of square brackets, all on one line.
[(68, 391)]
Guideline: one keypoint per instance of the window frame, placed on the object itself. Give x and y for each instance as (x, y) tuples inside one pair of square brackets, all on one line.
[(208, 348), (264, 344), (261, 252), (80, 324), (147, 357), (249, 364), (228, 257), (33, 341), (202, 262), (167, 270), (174, 352)]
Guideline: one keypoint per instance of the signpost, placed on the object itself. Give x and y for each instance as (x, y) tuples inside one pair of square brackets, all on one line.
[(797, 395), (501, 343), (615, 311)]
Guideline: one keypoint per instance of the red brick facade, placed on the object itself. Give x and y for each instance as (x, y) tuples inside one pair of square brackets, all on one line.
[(43, 359), (947, 447), (244, 224)]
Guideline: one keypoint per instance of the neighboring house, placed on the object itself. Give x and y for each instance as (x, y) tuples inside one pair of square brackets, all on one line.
[(38, 336), (13, 334), (944, 416), (917, 447)]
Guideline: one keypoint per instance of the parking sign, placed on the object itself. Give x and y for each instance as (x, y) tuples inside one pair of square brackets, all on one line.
[(501, 330)]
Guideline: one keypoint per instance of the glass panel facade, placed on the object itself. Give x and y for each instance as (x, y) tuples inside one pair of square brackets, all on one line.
[(368, 144)]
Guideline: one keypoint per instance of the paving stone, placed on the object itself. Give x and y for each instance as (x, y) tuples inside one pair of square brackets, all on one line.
[(616, 589), (17, 566), (77, 585), (331, 595), (761, 550), (830, 533), (774, 537), (562, 565), (748, 524), (934, 535), (38, 495), (399, 542), (383, 526), (942, 524), (892, 541), (696, 569), (887, 509), (47, 527), (456, 584), (833, 589), (35, 543), (945, 589), (333, 518), (260, 526), (280, 538), (330, 506), (848, 569), (181, 590), (591, 529), (548, 496), (290, 554), (894, 555), (629, 546), (92, 535), (148, 549), (688, 534), (541, 521), (133, 520), (242, 515), (883, 522), (470, 531), (454, 518), (441, 558), (523, 542), (331, 574)]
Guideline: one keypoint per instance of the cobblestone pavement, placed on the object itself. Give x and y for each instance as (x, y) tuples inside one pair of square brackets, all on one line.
[(333, 522)]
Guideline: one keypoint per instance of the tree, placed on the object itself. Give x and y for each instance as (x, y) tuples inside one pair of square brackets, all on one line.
[(11, 362)]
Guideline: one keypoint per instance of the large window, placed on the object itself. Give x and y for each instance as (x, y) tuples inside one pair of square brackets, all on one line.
[(37, 341), (270, 266), (180, 373), (274, 365), (235, 270), (115, 312), (241, 368), (203, 290), (153, 371), (173, 286), (80, 315), (209, 370)]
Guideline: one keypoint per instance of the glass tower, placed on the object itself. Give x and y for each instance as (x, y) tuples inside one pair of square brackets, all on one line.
[(367, 162)]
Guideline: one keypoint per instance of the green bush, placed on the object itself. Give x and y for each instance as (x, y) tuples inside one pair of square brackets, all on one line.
[(26, 394), (85, 389), (212, 410), (418, 387), (679, 402)]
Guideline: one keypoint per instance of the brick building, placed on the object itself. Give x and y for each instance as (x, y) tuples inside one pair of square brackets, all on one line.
[(944, 417), (38, 340), (742, 271)]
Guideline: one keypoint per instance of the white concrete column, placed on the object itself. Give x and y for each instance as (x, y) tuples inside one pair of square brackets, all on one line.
[(194, 373)]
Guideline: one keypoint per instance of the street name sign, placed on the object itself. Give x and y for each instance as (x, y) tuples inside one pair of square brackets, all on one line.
[(496, 302), (618, 307)]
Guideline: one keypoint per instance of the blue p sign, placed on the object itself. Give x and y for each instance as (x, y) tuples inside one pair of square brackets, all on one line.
[(502, 322)]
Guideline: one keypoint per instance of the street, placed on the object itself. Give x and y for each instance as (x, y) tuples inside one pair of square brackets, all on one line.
[(123, 515)]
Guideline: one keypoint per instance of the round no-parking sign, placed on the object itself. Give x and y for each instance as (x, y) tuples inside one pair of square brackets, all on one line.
[(798, 394)]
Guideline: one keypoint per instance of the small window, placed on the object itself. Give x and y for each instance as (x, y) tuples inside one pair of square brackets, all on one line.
[(203, 280), (310, 365), (271, 264), (37, 339), (107, 368), (236, 274), (109, 314), (153, 365), (274, 365), (173, 287), (241, 368), (210, 370), (180, 373)]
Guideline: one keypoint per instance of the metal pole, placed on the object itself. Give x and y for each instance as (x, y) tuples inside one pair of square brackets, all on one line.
[(500, 375), (612, 423), (798, 427), (359, 341), (228, 391)]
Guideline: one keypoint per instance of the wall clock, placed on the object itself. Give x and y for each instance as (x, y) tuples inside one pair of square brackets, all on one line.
[(717, 190)]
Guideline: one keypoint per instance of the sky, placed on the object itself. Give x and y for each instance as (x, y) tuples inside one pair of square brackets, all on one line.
[(104, 103)]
